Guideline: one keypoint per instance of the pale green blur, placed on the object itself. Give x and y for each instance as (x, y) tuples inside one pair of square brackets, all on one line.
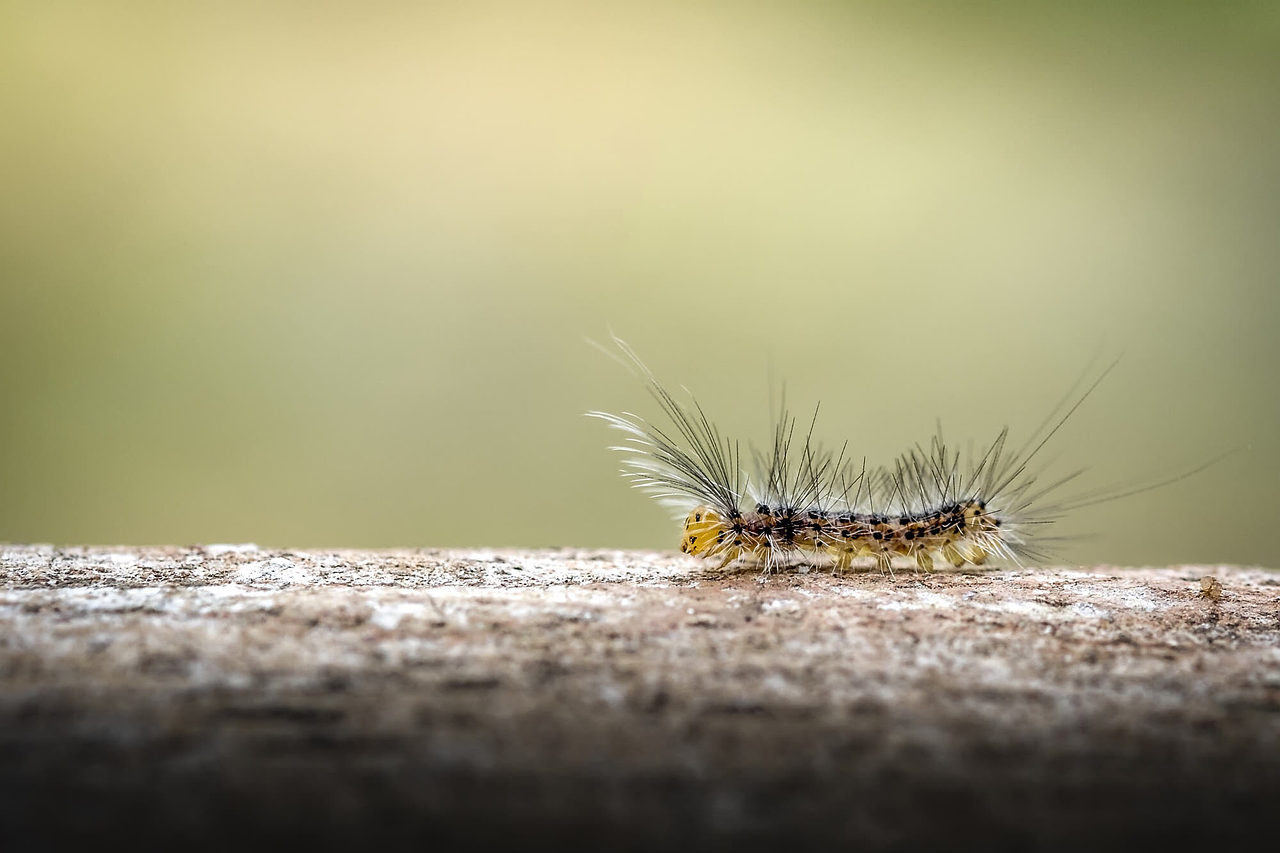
[(320, 274)]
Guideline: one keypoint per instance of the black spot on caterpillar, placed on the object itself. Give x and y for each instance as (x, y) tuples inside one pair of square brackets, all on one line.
[(798, 501)]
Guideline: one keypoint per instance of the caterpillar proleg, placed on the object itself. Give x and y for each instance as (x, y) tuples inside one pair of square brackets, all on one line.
[(799, 501)]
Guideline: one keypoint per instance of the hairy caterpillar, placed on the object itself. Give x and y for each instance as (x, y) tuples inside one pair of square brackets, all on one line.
[(801, 501)]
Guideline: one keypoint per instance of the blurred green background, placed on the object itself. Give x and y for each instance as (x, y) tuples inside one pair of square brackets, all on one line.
[(319, 274)]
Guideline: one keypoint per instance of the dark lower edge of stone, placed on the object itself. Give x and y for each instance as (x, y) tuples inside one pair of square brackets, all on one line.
[(330, 802)]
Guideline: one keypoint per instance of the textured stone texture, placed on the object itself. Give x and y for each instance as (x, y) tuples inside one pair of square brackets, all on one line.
[(214, 695)]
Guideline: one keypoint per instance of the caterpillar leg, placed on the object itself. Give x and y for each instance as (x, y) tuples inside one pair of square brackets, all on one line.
[(767, 568), (730, 554), (924, 560), (953, 555)]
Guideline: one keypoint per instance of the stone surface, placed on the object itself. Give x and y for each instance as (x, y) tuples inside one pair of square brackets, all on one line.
[(219, 695)]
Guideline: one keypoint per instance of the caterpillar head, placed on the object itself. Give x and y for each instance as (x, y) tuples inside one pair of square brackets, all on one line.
[(704, 531)]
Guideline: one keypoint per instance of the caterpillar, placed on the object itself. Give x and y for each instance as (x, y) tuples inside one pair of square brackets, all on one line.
[(799, 501)]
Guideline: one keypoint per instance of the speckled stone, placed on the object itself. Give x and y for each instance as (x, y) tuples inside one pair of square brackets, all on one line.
[(219, 695)]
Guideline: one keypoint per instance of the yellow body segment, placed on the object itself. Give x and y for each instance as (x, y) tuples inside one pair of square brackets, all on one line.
[(703, 531)]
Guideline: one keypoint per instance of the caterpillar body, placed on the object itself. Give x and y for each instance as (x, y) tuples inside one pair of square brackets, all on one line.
[(803, 502)]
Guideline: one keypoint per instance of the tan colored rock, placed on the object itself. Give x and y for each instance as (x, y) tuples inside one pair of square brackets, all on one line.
[(225, 693)]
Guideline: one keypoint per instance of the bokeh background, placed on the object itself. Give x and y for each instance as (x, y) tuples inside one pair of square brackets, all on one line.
[(319, 274)]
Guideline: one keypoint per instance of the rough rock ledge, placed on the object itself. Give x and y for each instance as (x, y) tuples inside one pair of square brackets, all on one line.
[(218, 695)]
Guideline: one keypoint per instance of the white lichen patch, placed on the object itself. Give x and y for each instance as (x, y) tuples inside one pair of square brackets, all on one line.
[(781, 607), (1086, 610), (389, 614), (1138, 599), (277, 571), (918, 600)]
